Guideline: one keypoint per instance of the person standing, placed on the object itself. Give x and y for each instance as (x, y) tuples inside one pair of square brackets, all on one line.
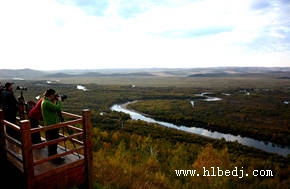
[(9, 107), (50, 107), (35, 116)]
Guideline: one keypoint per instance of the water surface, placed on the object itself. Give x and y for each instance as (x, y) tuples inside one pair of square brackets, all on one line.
[(265, 146)]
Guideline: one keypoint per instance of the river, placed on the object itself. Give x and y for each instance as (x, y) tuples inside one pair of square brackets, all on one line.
[(265, 146)]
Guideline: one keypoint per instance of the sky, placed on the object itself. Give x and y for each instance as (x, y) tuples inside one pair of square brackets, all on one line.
[(97, 34)]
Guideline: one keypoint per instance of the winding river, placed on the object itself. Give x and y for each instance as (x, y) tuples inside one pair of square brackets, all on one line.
[(268, 147)]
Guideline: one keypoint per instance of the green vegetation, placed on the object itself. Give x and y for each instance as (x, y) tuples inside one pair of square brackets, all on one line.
[(146, 156), (260, 114), (135, 154)]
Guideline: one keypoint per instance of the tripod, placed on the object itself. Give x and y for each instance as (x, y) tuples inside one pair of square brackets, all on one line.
[(69, 133)]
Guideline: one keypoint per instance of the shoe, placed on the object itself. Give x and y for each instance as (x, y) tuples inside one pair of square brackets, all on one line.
[(58, 161)]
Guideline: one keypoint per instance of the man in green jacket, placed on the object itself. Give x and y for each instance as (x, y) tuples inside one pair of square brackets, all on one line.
[(50, 108)]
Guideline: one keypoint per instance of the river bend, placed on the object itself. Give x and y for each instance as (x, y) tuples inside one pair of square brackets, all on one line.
[(265, 146)]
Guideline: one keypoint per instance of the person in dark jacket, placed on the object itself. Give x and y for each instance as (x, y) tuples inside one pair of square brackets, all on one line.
[(10, 107)]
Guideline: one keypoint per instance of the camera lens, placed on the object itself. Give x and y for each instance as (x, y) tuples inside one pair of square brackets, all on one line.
[(62, 96)]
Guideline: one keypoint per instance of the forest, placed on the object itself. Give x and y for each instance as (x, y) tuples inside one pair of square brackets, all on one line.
[(259, 114), (135, 154)]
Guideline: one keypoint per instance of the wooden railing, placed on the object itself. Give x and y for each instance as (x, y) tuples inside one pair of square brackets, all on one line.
[(74, 144)]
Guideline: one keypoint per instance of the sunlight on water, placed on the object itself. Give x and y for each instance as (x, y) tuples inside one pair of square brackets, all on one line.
[(268, 146)]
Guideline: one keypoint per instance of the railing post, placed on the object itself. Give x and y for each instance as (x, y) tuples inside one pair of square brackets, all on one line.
[(3, 155), (87, 128), (27, 155)]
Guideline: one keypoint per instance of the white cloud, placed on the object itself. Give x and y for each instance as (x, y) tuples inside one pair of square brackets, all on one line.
[(51, 35)]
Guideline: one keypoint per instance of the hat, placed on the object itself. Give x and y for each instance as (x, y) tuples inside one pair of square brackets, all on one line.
[(8, 84)]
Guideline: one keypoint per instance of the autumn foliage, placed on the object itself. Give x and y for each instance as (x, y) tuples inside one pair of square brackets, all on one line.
[(127, 159)]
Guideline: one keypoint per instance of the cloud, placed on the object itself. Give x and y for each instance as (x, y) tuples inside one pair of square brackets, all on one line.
[(260, 4), (125, 33), (199, 32), (92, 7), (273, 34)]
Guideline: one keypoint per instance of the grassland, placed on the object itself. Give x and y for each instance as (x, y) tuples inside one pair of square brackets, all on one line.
[(135, 154)]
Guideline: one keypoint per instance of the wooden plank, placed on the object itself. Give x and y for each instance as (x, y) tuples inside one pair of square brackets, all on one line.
[(61, 178), (39, 154)]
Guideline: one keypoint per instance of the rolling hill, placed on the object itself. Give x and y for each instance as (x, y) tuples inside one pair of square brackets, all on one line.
[(30, 74)]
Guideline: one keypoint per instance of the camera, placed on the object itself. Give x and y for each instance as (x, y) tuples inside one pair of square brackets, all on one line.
[(21, 98), (21, 88), (62, 96)]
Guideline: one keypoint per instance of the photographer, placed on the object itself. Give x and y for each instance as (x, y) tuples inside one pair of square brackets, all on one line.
[(50, 107), (9, 107)]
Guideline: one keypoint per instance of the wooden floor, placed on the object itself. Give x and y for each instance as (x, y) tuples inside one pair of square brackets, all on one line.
[(12, 177), (41, 153)]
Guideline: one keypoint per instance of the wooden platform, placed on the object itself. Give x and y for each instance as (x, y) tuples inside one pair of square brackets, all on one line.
[(39, 154), (39, 170)]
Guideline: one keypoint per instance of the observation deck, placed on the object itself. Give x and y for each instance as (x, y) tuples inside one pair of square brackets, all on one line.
[(29, 163)]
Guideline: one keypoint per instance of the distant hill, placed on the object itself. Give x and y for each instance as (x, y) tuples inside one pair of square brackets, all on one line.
[(58, 75), (241, 71), (22, 74), (96, 74)]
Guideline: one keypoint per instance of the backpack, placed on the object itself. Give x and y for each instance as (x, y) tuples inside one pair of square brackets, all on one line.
[(30, 105), (35, 111)]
